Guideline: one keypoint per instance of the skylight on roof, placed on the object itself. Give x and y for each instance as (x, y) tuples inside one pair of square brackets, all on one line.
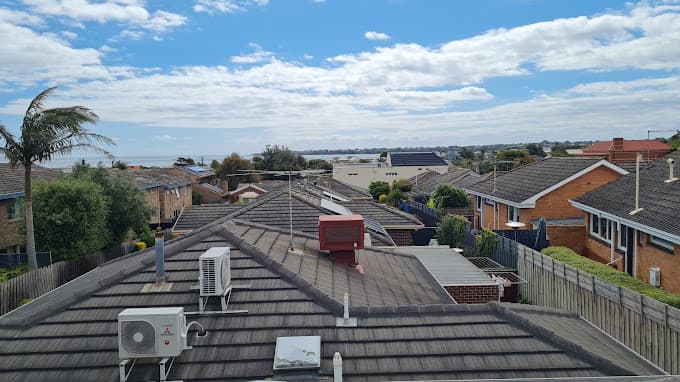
[(303, 352), (196, 169)]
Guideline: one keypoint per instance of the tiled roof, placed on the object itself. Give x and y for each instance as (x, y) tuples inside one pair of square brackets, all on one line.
[(195, 217), (603, 147), (416, 159), (388, 217), (156, 177), (212, 188), (268, 185), (407, 329), (199, 171), (522, 183), (12, 178), (458, 177), (659, 200), (336, 187)]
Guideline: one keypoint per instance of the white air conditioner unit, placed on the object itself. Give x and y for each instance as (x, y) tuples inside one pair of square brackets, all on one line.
[(655, 276), (215, 272), (151, 332)]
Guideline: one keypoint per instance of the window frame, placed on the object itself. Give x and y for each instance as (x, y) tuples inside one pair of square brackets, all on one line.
[(622, 244), (479, 203), (660, 243), (515, 214), (600, 233)]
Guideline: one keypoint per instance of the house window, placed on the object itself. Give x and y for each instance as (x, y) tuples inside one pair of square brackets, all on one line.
[(659, 242), (513, 214), (489, 202), (601, 228), (479, 203), (623, 237), (12, 209)]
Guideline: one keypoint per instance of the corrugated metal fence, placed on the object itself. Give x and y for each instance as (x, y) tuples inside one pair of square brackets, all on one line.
[(504, 254), (649, 327)]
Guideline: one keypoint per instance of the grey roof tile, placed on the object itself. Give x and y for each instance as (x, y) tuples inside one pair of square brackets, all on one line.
[(404, 341), (12, 178), (522, 183), (416, 159)]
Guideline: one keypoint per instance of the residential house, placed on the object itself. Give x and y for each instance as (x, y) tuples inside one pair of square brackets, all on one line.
[(206, 183), (624, 152), (637, 236), (397, 166), (402, 324), (425, 184), (11, 195), (166, 190), (246, 193), (542, 190), (325, 187)]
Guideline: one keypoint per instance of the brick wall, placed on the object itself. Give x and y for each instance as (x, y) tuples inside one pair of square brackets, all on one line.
[(598, 250), (568, 236), (649, 256), (401, 237), (152, 198), (554, 205), (9, 229), (473, 294)]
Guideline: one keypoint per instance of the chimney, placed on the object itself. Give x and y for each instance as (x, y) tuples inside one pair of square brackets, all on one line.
[(225, 185), (160, 257), (337, 367), (617, 144)]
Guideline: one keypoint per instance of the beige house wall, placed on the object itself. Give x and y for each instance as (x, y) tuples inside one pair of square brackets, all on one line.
[(362, 175), (9, 229)]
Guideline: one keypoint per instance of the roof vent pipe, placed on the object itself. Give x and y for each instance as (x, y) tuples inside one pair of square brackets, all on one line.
[(671, 165), (160, 257), (637, 185), (337, 367)]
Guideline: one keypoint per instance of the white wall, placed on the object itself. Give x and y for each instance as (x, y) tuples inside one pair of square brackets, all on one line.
[(361, 175)]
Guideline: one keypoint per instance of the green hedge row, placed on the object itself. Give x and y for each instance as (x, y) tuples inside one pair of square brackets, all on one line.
[(607, 273)]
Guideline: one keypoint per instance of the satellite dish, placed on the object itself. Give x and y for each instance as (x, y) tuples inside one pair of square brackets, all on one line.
[(515, 225)]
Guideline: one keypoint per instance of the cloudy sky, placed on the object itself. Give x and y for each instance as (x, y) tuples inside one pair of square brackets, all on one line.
[(191, 77)]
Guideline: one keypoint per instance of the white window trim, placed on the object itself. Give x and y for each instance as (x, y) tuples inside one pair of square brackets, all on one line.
[(514, 217), (479, 202), (598, 234), (621, 228), (662, 243)]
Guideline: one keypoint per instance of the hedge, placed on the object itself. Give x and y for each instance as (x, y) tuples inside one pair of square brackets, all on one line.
[(607, 273)]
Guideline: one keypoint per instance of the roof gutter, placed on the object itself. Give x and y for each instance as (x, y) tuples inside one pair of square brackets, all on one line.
[(640, 227), (523, 204)]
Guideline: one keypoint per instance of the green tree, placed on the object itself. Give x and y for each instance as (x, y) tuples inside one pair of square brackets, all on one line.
[(70, 217), (466, 153), (319, 164), (404, 185), (378, 188), (196, 198), (185, 161), (486, 241), (447, 196), (281, 158), (535, 149), (232, 170), (46, 133), (511, 154), (451, 231), (127, 207), (395, 197)]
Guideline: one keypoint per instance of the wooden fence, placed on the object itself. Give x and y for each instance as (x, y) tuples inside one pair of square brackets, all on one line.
[(649, 327)]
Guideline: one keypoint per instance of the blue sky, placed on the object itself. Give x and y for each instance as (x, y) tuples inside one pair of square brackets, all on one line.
[(192, 77)]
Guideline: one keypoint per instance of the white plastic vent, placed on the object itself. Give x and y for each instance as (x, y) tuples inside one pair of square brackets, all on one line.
[(655, 276), (215, 272), (151, 332)]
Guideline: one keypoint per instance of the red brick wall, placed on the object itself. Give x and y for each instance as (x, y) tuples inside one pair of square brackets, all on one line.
[(599, 250), (473, 294), (649, 256), (401, 237), (568, 236)]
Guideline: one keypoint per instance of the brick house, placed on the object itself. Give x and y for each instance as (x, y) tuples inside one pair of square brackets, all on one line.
[(166, 190), (542, 189), (634, 241), (623, 152), (11, 193)]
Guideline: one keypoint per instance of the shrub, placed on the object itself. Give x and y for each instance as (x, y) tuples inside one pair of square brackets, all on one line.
[(451, 231), (486, 242), (6, 274), (446, 195), (382, 198), (196, 198), (607, 273), (395, 196), (148, 238), (378, 188), (404, 185), (140, 246)]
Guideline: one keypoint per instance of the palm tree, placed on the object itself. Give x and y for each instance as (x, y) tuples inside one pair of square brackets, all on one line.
[(46, 133)]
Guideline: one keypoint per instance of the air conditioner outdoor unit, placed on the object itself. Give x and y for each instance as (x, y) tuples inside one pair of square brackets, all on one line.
[(151, 332), (215, 272), (655, 276)]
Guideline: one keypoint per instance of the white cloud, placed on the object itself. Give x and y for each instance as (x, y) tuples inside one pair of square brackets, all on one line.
[(20, 18), (164, 138), (257, 56), (226, 6), (373, 35), (128, 12), (308, 56), (69, 35)]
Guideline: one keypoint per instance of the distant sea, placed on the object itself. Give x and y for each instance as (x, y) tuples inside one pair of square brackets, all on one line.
[(167, 161)]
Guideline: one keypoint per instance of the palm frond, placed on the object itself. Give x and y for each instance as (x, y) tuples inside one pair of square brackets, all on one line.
[(68, 149), (37, 102), (12, 149)]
